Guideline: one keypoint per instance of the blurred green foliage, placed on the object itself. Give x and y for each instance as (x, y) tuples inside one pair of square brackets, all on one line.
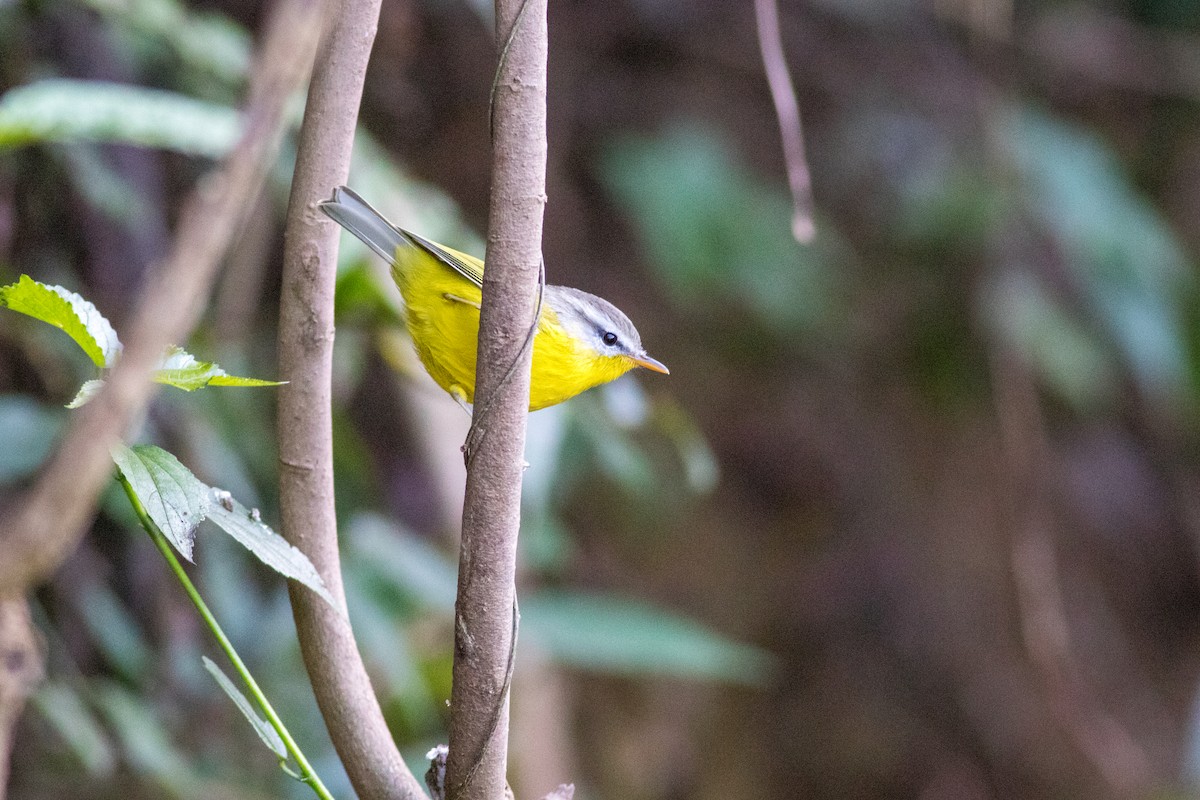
[(210, 51), (28, 430), (71, 111), (1130, 272), (718, 236), (624, 636)]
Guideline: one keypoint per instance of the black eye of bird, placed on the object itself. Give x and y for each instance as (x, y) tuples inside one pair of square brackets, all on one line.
[(609, 338)]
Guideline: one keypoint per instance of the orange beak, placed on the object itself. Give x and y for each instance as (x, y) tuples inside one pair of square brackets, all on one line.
[(651, 363)]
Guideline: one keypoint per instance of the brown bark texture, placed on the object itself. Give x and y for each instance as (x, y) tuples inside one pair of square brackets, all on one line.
[(339, 677), (485, 611)]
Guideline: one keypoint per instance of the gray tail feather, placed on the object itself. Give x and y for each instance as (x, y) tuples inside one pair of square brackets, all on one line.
[(354, 214)]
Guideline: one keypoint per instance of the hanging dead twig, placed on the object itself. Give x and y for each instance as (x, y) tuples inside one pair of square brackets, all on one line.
[(787, 110)]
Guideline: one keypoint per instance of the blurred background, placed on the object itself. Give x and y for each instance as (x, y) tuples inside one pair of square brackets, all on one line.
[(915, 515)]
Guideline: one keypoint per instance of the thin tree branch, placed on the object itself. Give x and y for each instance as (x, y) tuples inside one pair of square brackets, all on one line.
[(485, 611), (783, 93), (335, 667), (20, 671)]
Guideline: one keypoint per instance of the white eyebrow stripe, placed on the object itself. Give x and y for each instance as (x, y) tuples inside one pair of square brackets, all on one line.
[(589, 316)]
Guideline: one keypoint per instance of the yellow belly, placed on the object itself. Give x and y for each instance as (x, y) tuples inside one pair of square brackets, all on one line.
[(443, 320)]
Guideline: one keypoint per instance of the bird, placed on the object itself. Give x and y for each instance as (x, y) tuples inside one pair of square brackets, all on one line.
[(581, 340)]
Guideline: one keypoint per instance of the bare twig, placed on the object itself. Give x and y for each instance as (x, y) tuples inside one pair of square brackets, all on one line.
[(485, 612), (335, 667), (787, 109)]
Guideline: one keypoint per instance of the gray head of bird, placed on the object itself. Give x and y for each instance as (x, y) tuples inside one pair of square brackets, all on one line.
[(601, 326)]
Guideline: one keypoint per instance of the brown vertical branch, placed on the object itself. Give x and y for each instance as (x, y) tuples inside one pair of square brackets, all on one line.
[(485, 611), (787, 110), (339, 678), (20, 670)]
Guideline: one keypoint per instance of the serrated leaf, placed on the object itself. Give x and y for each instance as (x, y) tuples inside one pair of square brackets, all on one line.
[(268, 546), (225, 379), (174, 498), (180, 369), (624, 636), (60, 110), (86, 392), (177, 501), (269, 736), (66, 310)]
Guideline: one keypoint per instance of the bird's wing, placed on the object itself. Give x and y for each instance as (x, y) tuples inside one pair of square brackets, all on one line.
[(469, 267)]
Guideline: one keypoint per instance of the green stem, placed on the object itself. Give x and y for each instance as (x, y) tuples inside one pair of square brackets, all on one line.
[(307, 774)]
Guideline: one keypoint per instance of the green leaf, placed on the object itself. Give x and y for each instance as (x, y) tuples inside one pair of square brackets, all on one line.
[(68, 110), (268, 546), (174, 498), (181, 370), (67, 311), (86, 392), (177, 501), (623, 636), (269, 736)]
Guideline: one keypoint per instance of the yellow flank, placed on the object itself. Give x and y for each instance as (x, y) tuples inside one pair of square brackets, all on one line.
[(581, 340), (443, 321)]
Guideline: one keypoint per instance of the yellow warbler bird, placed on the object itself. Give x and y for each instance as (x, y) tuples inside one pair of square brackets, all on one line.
[(581, 341)]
